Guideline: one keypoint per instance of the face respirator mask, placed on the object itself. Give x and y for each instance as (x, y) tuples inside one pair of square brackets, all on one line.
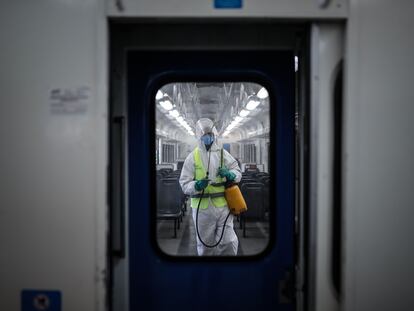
[(207, 139)]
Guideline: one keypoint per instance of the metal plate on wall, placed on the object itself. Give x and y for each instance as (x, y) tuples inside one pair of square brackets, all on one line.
[(296, 9)]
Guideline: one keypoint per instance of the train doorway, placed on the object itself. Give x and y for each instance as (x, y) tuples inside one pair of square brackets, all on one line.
[(142, 276)]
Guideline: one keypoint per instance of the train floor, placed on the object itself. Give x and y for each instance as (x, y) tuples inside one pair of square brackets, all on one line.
[(256, 240)]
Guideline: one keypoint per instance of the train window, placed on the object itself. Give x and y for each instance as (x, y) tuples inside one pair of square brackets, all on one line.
[(168, 153), (250, 153), (210, 139)]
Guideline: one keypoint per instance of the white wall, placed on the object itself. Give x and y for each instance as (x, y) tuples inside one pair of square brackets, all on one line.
[(379, 149), (53, 165)]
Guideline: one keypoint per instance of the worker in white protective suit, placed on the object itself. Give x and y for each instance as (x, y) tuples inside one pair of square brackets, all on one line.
[(207, 191)]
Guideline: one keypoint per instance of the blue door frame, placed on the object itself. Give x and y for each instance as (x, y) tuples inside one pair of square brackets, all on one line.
[(158, 282)]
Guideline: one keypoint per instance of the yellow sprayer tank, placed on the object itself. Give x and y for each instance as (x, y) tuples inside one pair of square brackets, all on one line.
[(235, 200)]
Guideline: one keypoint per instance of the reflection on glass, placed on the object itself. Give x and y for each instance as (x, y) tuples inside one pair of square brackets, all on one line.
[(212, 138)]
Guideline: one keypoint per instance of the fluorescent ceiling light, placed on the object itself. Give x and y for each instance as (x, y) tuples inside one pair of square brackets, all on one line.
[(262, 94), (159, 95), (244, 113), (174, 113), (252, 104), (166, 104), (231, 126), (180, 119), (238, 119), (296, 63)]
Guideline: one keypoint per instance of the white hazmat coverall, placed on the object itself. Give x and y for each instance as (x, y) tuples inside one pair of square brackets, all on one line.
[(211, 219)]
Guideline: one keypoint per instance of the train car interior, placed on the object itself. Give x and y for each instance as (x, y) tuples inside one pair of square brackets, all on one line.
[(241, 111)]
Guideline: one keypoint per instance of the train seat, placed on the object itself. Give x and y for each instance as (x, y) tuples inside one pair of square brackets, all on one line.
[(253, 193), (169, 201)]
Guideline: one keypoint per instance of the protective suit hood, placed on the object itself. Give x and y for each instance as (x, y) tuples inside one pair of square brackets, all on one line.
[(205, 126)]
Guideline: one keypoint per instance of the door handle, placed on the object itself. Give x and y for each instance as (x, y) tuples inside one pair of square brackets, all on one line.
[(117, 214), (287, 288)]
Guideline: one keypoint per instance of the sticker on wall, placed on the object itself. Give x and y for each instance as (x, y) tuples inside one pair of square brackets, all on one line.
[(69, 100), (45, 300), (227, 4)]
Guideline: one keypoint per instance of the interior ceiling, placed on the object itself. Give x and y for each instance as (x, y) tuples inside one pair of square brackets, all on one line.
[(218, 101)]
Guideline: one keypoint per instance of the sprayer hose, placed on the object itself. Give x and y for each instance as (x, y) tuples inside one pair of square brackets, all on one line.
[(198, 208), (198, 233)]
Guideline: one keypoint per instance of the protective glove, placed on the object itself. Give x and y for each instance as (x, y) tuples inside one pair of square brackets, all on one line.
[(224, 172), (201, 184)]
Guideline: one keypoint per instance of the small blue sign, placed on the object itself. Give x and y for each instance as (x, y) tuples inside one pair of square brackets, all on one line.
[(46, 300), (227, 4)]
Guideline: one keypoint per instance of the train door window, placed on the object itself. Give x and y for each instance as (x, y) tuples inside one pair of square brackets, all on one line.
[(216, 135)]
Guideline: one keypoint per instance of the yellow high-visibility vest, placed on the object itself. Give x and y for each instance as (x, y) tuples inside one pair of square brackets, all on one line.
[(214, 191)]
